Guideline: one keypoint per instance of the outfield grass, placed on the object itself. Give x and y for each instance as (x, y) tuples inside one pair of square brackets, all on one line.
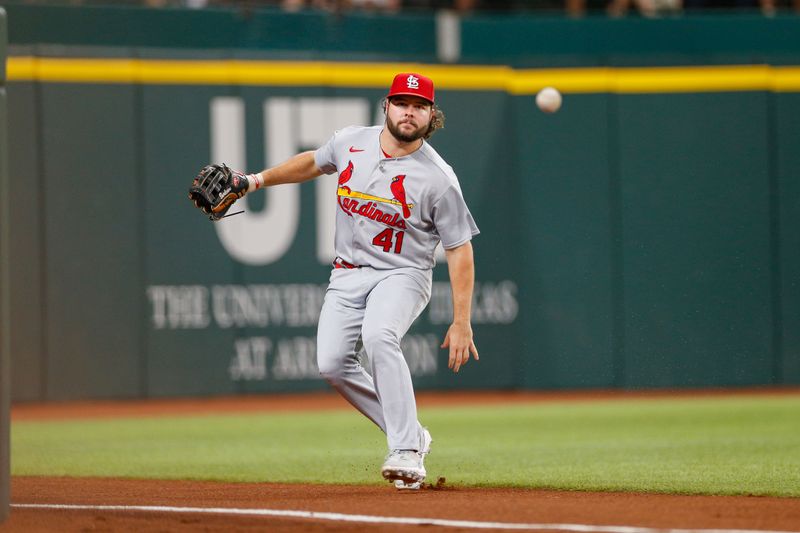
[(721, 445)]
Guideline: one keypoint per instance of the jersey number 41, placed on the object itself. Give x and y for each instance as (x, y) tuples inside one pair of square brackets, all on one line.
[(387, 237)]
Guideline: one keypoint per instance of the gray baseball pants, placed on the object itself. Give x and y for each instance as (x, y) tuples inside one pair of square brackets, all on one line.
[(376, 307)]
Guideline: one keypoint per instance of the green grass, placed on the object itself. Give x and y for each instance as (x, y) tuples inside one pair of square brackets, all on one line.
[(723, 445)]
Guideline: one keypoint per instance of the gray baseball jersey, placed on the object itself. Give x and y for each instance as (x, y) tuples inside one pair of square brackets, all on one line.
[(393, 211)]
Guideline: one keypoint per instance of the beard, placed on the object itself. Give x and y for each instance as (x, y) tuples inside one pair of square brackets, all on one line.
[(407, 136)]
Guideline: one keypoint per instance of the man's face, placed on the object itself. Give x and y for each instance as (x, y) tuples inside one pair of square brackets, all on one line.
[(408, 117)]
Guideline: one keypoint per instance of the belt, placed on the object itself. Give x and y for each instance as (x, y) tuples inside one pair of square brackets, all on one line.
[(341, 263)]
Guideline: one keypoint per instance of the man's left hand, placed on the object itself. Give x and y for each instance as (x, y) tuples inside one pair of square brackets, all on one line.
[(459, 340)]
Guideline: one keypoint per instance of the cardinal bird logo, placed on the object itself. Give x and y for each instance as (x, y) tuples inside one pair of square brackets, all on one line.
[(344, 177), (399, 193), (346, 174)]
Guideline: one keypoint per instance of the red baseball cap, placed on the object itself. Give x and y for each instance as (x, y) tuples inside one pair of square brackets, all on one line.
[(412, 84)]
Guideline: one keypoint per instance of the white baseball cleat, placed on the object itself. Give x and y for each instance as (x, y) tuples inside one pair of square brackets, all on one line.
[(402, 485), (403, 465), (425, 449)]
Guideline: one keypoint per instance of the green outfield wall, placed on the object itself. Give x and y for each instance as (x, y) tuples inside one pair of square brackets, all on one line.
[(646, 235)]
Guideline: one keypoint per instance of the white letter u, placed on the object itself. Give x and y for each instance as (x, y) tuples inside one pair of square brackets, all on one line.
[(255, 238)]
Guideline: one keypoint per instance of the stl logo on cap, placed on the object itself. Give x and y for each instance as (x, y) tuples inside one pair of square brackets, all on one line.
[(412, 84)]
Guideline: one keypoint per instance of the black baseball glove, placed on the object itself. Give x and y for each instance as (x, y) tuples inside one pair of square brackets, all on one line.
[(216, 188)]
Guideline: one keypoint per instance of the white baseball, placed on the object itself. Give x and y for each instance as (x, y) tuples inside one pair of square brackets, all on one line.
[(548, 100)]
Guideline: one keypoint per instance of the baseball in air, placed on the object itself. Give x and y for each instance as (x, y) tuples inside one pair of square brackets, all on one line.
[(548, 100)]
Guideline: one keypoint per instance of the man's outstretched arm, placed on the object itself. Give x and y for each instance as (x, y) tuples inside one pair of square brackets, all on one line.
[(296, 169)]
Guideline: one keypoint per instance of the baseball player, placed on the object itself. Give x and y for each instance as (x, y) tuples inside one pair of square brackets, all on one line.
[(397, 200)]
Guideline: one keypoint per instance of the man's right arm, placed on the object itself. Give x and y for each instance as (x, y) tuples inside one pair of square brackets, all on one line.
[(297, 169)]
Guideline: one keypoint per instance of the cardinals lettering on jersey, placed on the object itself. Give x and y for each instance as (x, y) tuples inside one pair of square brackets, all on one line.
[(370, 210), (349, 200)]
